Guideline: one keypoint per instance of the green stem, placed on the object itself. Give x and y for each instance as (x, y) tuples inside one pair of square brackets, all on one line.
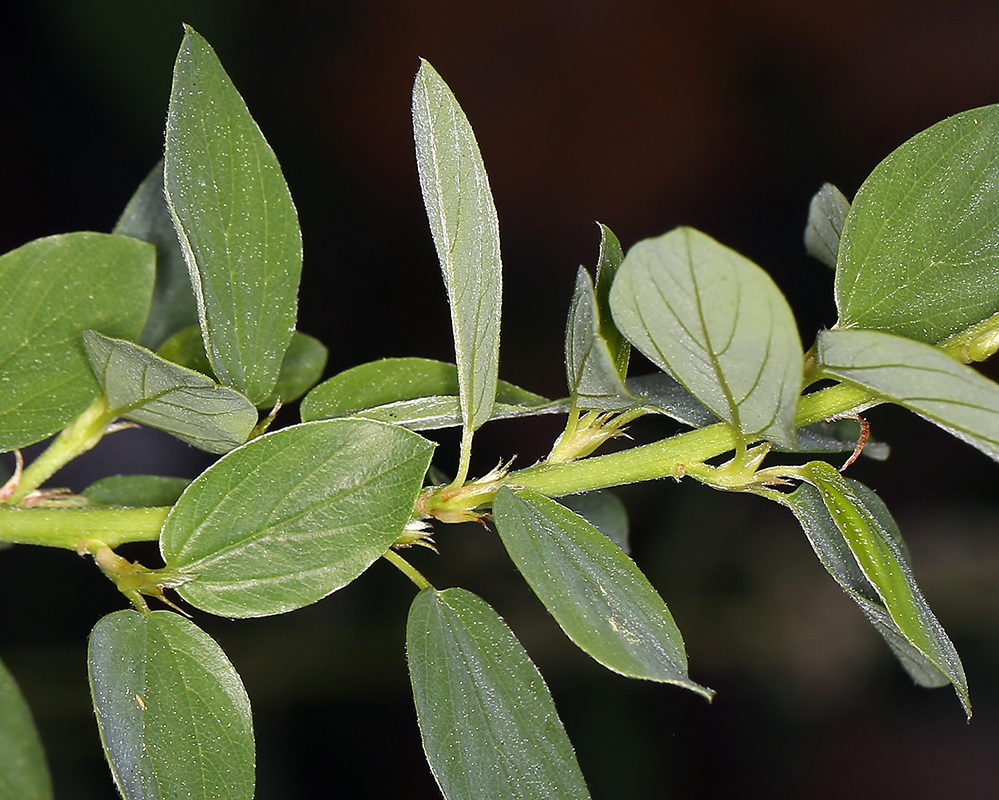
[(64, 527), (407, 569), (76, 438), (672, 457)]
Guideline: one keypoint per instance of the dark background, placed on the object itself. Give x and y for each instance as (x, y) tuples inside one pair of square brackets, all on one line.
[(642, 115)]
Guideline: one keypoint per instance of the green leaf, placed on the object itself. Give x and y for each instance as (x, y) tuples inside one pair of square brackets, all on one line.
[(919, 377), (590, 369), (826, 215), (838, 436), (302, 367), (236, 221), (187, 348), (415, 392), (466, 232), (148, 389), (147, 217), (598, 596), (604, 511), (662, 393), (490, 729), (857, 541), (608, 263), (897, 273), (137, 491), (293, 515), (718, 324), (24, 775), (173, 714), (54, 289)]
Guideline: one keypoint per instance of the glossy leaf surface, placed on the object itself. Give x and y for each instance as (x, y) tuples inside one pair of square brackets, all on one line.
[(858, 542), (236, 221), (598, 596), (590, 369), (919, 377), (826, 216), (137, 491), (146, 388), (466, 233), (173, 714), (490, 729), (147, 217), (54, 289), (717, 323), (24, 775), (919, 255), (293, 515)]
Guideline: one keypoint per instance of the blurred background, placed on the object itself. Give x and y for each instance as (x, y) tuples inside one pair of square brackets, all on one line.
[(642, 115)]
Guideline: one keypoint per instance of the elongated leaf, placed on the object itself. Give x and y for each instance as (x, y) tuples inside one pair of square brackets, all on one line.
[(590, 369), (718, 324), (394, 381), (926, 281), (236, 221), (598, 596), (919, 377), (433, 413), (173, 714), (490, 729), (147, 217), (466, 232), (137, 491), (148, 389), (826, 215), (294, 515), (301, 369), (858, 542), (608, 263), (604, 511), (54, 289), (24, 775)]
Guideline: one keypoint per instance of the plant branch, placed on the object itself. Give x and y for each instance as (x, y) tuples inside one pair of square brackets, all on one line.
[(67, 528)]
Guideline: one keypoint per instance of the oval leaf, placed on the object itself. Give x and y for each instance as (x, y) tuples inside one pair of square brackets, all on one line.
[(826, 215), (293, 515), (147, 217), (718, 324), (54, 289), (598, 596), (136, 491), (466, 233), (919, 377), (173, 714), (490, 729), (927, 282), (873, 543), (148, 389), (24, 775), (236, 221)]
